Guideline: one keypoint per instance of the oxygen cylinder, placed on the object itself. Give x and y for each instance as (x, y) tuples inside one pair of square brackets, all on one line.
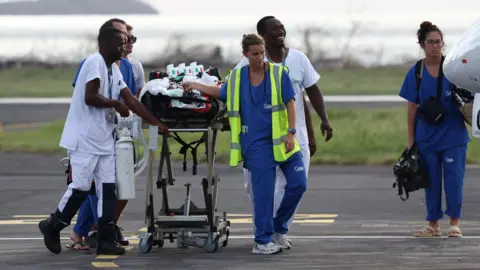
[(124, 160)]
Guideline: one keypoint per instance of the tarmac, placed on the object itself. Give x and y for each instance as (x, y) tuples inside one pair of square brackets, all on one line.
[(349, 218)]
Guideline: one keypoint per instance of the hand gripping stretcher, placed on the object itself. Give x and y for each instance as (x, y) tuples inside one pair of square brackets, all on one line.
[(188, 224)]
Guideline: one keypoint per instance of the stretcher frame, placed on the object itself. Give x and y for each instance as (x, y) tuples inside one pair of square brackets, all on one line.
[(189, 225)]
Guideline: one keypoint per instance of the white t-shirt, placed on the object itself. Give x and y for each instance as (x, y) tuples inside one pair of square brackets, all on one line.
[(138, 73), (90, 129), (303, 75)]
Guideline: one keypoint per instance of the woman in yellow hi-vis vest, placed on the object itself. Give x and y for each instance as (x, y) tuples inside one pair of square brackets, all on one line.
[(261, 108)]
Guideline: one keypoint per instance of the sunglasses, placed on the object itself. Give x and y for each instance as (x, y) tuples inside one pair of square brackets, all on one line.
[(132, 39)]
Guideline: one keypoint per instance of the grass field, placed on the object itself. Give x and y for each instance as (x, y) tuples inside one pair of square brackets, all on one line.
[(361, 137), (57, 82)]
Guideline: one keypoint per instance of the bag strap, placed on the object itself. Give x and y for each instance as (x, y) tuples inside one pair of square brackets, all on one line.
[(183, 150), (440, 80), (419, 66), (418, 74)]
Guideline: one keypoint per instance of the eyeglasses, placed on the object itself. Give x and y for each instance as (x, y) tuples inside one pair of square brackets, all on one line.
[(132, 39), (436, 41)]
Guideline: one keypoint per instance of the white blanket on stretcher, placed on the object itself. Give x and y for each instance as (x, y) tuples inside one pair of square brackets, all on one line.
[(163, 86)]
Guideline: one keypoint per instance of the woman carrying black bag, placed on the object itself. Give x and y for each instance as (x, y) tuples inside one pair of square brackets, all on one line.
[(436, 126)]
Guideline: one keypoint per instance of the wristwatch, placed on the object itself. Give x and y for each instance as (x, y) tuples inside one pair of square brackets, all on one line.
[(292, 130)]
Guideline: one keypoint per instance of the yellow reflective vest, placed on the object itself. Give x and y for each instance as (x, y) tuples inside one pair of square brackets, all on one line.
[(279, 115)]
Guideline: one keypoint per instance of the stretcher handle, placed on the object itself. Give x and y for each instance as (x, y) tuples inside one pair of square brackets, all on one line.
[(188, 129)]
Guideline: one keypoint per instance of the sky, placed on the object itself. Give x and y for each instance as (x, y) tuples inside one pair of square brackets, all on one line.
[(403, 13), (391, 23)]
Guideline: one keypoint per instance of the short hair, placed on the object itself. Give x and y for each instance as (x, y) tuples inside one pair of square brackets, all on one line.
[(109, 23), (129, 27), (251, 39), (106, 34), (262, 23)]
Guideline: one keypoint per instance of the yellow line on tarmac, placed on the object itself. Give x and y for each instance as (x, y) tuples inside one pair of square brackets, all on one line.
[(107, 257), (31, 216), (296, 216), (249, 220), (25, 222), (134, 241), (105, 264)]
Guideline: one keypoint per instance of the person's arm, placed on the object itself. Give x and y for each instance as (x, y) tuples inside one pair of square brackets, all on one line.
[(93, 78), (93, 97), (410, 94), (209, 90), (312, 141), (288, 97), (291, 113), (315, 95), (411, 112), (137, 107), (316, 99), (308, 118)]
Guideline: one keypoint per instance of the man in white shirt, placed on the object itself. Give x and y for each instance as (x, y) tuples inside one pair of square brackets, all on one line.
[(88, 136), (304, 78)]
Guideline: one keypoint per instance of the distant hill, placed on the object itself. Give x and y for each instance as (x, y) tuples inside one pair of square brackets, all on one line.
[(75, 7)]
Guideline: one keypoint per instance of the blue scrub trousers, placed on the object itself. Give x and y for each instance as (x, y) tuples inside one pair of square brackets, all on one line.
[(87, 216), (451, 162), (263, 189)]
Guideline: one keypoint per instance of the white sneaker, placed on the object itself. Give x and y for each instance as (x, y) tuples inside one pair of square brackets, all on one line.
[(269, 248), (282, 240)]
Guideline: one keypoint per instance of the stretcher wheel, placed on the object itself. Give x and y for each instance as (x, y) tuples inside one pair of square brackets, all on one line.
[(227, 234), (212, 247), (160, 242), (146, 243)]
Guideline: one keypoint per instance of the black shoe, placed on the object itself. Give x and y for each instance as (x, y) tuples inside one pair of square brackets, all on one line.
[(106, 248), (51, 237), (119, 237)]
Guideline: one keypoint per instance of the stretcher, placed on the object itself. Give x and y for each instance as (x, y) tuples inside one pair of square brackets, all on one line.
[(189, 225)]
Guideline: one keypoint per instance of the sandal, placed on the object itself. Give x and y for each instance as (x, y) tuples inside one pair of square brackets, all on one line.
[(454, 231), (428, 231), (78, 246)]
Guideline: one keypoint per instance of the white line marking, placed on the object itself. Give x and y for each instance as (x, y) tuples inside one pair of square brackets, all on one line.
[(298, 237), (328, 98)]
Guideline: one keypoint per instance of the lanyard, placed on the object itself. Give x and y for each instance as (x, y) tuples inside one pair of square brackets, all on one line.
[(283, 57), (110, 83)]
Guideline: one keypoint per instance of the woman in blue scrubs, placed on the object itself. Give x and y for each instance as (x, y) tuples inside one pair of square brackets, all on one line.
[(256, 143), (442, 145)]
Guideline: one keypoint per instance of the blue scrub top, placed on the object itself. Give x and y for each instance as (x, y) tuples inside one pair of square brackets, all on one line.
[(127, 73), (256, 117), (452, 131)]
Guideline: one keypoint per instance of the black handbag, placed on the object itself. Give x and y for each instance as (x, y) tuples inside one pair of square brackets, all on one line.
[(410, 172), (432, 110)]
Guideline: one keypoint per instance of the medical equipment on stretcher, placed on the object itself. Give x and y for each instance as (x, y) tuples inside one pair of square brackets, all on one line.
[(189, 224)]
